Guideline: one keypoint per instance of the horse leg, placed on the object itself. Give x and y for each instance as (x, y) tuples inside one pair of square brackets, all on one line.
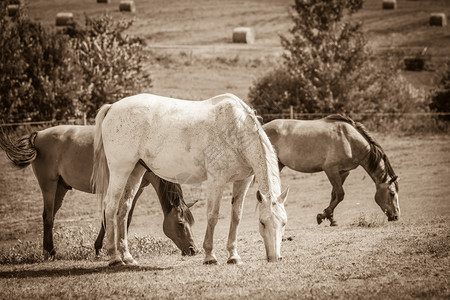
[(126, 202), (61, 191), (48, 188), (99, 241), (214, 196), (116, 187), (240, 189), (144, 183), (337, 194)]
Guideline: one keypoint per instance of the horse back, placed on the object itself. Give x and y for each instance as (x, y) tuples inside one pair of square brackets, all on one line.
[(172, 135), (314, 145)]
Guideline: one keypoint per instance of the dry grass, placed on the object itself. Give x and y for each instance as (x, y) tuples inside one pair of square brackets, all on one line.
[(365, 256)]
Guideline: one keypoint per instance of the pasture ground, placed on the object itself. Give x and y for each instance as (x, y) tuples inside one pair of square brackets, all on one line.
[(364, 257), (192, 56)]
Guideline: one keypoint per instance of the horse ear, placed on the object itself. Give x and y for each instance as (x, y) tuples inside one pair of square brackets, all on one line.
[(190, 204), (394, 179), (259, 196), (283, 196)]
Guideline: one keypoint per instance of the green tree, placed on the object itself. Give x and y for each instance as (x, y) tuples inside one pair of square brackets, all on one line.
[(440, 98), (112, 62), (323, 54), (37, 79)]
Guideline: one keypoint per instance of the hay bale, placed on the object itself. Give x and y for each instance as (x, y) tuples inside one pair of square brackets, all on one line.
[(244, 35), (64, 18), (389, 4), (127, 5), (414, 63), (104, 1), (12, 9), (438, 19)]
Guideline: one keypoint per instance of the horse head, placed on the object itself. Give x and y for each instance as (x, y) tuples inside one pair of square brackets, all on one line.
[(387, 198), (272, 222), (177, 226)]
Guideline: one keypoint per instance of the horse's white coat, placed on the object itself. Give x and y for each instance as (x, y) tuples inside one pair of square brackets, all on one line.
[(216, 141)]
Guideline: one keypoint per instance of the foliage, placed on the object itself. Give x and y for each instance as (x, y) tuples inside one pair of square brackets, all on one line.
[(47, 74), (111, 62), (440, 98), (328, 68), (36, 71)]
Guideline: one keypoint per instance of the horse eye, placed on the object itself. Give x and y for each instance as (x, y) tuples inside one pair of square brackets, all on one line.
[(263, 225)]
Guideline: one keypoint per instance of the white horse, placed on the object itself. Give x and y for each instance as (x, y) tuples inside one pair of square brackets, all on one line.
[(215, 141)]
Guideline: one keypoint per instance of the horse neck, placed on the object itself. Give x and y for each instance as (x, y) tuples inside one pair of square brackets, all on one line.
[(378, 174), (165, 192)]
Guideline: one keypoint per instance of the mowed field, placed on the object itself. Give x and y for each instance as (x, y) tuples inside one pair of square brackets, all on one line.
[(191, 56)]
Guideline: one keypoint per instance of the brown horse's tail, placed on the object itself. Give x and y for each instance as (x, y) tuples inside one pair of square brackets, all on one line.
[(20, 152), (100, 172)]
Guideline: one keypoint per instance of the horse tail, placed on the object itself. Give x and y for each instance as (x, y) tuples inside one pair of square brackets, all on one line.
[(20, 152), (100, 171)]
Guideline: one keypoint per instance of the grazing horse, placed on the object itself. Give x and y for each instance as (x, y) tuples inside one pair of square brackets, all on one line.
[(335, 144), (62, 158), (215, 141)]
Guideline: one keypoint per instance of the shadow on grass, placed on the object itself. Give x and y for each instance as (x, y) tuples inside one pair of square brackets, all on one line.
[(76, 271)]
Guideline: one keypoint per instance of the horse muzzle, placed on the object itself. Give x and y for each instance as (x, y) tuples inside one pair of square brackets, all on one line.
[(393, 218), (191, 252)]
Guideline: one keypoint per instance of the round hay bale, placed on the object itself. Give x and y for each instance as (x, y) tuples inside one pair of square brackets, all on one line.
[(244, 35), (12, 9), (438, 19), (414, 63), (127, 5), (389, 4), (64, 18)]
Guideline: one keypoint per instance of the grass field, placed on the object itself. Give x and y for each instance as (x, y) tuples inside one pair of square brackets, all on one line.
[(192, 57)]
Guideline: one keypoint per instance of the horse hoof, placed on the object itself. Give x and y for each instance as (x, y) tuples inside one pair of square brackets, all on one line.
[(333, 223), (130, 262), (116, 263), (319, 218), (50, 255), (234, 261), (210, 262)]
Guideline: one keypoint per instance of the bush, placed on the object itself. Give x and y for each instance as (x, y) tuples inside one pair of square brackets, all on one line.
[(112, 63), (37, 79), (440, 98), (47, 75)]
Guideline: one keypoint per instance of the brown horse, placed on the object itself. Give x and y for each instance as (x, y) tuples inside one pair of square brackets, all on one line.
[(335, 144), (62, 159)]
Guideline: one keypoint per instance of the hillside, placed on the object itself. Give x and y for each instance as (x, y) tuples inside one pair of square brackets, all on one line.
[(191, 40)]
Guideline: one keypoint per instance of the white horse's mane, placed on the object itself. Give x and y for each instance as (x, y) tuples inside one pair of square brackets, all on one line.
[(269, 151)]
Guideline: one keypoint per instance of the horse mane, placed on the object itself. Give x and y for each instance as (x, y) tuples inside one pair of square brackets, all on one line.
[(20, 152), (172, 196), (269, 151), (376, 153)]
